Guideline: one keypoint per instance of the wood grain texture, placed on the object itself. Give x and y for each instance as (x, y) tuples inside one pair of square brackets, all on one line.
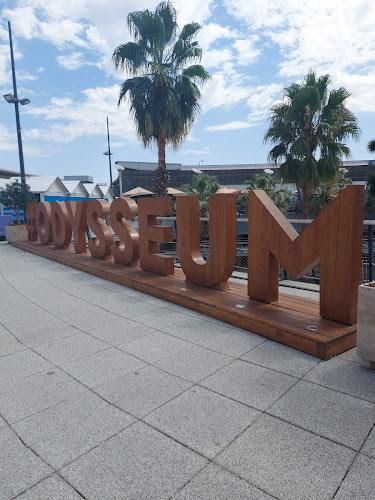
[(43, 222), (100, 245), (32, 233), (284, 321), (127, 249), (77, 212), (334, 239), (60, 225), (150, 234), (222, 233)]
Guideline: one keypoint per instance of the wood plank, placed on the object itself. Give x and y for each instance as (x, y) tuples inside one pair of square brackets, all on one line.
[(284, 321)]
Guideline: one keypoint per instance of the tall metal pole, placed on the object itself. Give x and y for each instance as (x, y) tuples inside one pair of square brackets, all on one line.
[(20, 150), (109, 155)]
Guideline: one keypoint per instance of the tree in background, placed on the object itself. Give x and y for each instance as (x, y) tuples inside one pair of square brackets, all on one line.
[(15, 196), (325, 193), (267, 182), (163, 88), (202, 185), (371, 146), (370, 181), (308, 130)]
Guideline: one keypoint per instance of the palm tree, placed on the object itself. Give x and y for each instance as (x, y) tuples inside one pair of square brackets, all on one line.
[(163, 88), (371, 146), (267, 182), (202, 185), (311, 120)]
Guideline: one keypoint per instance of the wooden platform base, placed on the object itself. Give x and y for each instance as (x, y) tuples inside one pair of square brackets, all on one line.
[(285, 321)]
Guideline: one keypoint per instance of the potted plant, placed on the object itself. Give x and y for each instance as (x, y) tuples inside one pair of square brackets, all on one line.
[(15, 196), (366, 324)]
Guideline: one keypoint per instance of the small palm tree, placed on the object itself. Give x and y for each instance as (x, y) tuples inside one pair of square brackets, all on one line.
[(267, 182), (312, 120), (163, 88), (202, 185)]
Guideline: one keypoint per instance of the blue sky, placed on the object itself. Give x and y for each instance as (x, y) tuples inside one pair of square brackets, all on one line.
[(252, 49)]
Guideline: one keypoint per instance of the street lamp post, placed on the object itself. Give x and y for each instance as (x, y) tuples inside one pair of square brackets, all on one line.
[(13, 99), (109, 154)]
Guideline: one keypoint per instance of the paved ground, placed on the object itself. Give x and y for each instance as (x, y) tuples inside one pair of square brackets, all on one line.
[(106, 393)]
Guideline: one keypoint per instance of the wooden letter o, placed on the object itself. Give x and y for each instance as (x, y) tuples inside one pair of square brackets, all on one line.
[(43, 222), (61, 227), (127, 249), (101, 245)]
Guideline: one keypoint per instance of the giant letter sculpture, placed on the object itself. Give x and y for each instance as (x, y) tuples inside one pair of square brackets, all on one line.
[(334, 239), (101, 245), (150, 234), (127, 249), (222, 231), (77, 211), (43, 222), (61, 227)]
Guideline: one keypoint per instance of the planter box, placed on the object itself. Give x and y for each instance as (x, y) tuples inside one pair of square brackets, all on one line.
[(366, 324), (16, 233)]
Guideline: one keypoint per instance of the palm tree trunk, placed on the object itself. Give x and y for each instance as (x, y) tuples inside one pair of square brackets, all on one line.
[(162, 174), (306, 193)]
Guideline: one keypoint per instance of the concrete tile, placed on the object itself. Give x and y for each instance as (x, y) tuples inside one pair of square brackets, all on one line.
[(120, 330), (71, 428), (360, 480), (154, 347), (194, 363), (161, 317), (65, 350), (250, 384), (139, 463), (346, 377), (330, 414), (140, 392), (24, 397), (215, 483), (369, 446), (3, 331), (286, 461), (233, 342), (281, 358), (51, 488), (71, 309), (350, 355), (20, 467), (9, 345), (102, 366), (59, 333), (20, 365), (195, 330), (202, 420)]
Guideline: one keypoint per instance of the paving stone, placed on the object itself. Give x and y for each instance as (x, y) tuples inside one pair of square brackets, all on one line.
[(233, 342), (59, 333), (128, 306), (64, 350), (194, 363), (120, 330), (3, 331), (281, 358), (250, 384), (351, 355), (51, 488), (203, 420), (72, 309), (369, 446), (333, 415), (139, 463), (360, 481), (154, 347), (195, 330), (102, 366), (215, 483), (20, 467), (71, 428), (286, 461), (24, 397), (140, 392), (31, 323), (161, 317), (346, 377), (21, 364), (9, 345)]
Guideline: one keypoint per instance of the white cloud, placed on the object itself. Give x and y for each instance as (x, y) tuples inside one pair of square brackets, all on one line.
[(216, 57), (71, 61), (236, 125), (246, 51), (7, 139), (262, 98)]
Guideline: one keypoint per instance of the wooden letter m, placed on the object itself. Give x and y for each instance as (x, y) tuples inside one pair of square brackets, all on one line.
[(334, 240)]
